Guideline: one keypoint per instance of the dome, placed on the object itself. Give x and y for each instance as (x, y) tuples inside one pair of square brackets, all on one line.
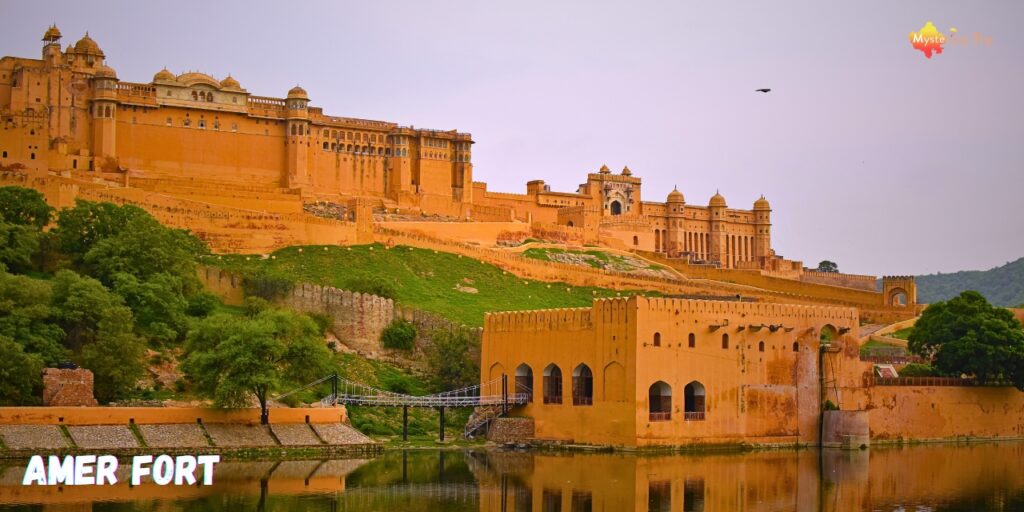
[(194, 77), (626, 171), (297, 93), (164, 76), (105, 72), (762, 204), (52, 34), (604, 169), (676, 196), (87, 46), (230, 83), (717, 200)]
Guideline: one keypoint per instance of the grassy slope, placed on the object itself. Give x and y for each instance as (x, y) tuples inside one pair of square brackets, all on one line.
[(1002, 286), (421, 278)]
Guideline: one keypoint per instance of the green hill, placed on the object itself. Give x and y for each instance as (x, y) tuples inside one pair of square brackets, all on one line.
[(459, 288), (1002, 286)]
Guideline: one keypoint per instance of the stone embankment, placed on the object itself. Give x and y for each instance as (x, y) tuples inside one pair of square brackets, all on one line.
[(26, 431)]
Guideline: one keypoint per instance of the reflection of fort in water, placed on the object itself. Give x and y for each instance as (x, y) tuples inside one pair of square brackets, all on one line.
[(979, 477)]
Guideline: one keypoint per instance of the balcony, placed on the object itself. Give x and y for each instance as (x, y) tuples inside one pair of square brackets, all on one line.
[(661, 416), (693, 416)]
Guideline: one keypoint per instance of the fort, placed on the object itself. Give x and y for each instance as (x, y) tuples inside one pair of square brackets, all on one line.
[(254, 174)]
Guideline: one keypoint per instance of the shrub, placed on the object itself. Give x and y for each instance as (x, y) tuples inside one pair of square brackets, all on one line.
[(830, 406), (254, 305), (371, 286), (323, 322), (266, 286), (399, 335), (201, 304), (918, 370)]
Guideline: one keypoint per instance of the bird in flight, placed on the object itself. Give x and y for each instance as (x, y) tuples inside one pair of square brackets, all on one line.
[(762, 90)]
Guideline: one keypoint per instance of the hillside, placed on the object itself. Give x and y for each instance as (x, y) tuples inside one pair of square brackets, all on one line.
[(459, 288), (1002, 286)]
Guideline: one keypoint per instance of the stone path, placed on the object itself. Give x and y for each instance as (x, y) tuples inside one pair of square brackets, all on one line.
[(337, 433), (32, 436), (174, 436), (103, 436), (296, 434), (239, 435)]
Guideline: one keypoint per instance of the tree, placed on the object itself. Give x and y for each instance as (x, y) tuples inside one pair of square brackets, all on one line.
[(158, 305), (828, 266), (24, 207), (81, 305), (81, 227), (143, 249), (450, 360), (27, 318), (234, 358), (20, 374), (18, 245), (115, 357), (967, 335)]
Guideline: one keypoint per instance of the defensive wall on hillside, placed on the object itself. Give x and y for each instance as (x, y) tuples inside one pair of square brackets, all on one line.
[(357, 319)]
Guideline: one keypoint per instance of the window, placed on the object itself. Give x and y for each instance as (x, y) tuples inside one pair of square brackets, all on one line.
[(5, 154), (582, 385), (659, 401), (327, 145), (582, 501), (32, 156), (796, 347), (657, 339), (636, 240), (692, 341), (169, 121), (74, 164), (693, 401), (725, 340), (202, 123), (234, 127), (552, 384), (760, 346), (551, 500), (524, 381), (659, 496)]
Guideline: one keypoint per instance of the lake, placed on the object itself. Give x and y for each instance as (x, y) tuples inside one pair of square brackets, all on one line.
[(970, 477)]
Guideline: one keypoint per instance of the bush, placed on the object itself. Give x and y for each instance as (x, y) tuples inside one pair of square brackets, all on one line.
[(266, 286), (323, 322), (254, 306), (450, 360), (918, 370), (371, 286), (201, 304), (830, 406), (399, 335)]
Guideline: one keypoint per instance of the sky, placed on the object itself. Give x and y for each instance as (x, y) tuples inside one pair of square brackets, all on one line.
[(872, 155)]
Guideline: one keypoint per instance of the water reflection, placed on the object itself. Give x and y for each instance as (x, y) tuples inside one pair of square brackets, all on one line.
[(986, 477)]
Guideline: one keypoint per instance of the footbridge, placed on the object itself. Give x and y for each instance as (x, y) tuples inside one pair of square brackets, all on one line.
[(491, 399)]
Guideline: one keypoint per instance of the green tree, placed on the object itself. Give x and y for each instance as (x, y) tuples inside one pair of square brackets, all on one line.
[(115, 357), (27, 318), (143, 249), (20, 374), (967, 335), (400, 334), (450, 360), (82, 303), (828, 266), (158, 305), (81, 227), (18, 245), (235, 358), (24, 207)]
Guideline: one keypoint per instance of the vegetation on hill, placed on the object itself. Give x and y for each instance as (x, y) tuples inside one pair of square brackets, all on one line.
[(106, 283), (967, 335), (1002, 286), (459, 288)]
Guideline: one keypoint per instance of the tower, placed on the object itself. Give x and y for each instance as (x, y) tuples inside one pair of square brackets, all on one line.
[(297, 138), (716, 238), (899, 291), (51, 46), (104, 112), (762, 231), (674, 205)]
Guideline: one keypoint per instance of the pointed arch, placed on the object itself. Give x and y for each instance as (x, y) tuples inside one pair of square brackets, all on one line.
[(614, 382), (693, 401), (524, 381), (582, 385), (659, 401), (552, 384)]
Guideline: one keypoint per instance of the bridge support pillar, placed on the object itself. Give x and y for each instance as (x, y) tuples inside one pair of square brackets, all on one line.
[(405, 423), (441, 437)]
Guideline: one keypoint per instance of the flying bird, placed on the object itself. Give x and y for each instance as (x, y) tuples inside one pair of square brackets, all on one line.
[(762, 90)]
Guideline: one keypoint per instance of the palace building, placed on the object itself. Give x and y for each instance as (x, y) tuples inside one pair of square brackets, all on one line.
[(69, 112)]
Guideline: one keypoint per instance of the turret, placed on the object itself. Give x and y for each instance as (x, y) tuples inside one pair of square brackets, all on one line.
[(297, 104), (675, 205), (717, 237), (104, 108), (51, 46), (762, 231)]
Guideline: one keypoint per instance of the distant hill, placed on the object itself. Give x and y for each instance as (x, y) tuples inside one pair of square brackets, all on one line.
[(1002, 286)]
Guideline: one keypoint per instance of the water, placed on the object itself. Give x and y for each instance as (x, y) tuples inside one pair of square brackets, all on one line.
[(980, 477)]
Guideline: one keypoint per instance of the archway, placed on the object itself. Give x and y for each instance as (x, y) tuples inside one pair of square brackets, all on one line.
[(496, 371), (659, 401), (614, 382), (570, 224), (582, 385), (693, 401), (898, 297), (616, 208), (828, 333), (552, 384), (524, 381)]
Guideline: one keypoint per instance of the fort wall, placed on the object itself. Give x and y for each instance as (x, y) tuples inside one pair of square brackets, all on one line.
[(163, 415), (859, 282)]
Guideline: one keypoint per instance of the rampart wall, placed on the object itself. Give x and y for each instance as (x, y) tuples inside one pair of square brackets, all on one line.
[(858, 282)]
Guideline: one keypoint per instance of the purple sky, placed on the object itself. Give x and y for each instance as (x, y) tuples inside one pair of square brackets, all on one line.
[(870, 154)]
